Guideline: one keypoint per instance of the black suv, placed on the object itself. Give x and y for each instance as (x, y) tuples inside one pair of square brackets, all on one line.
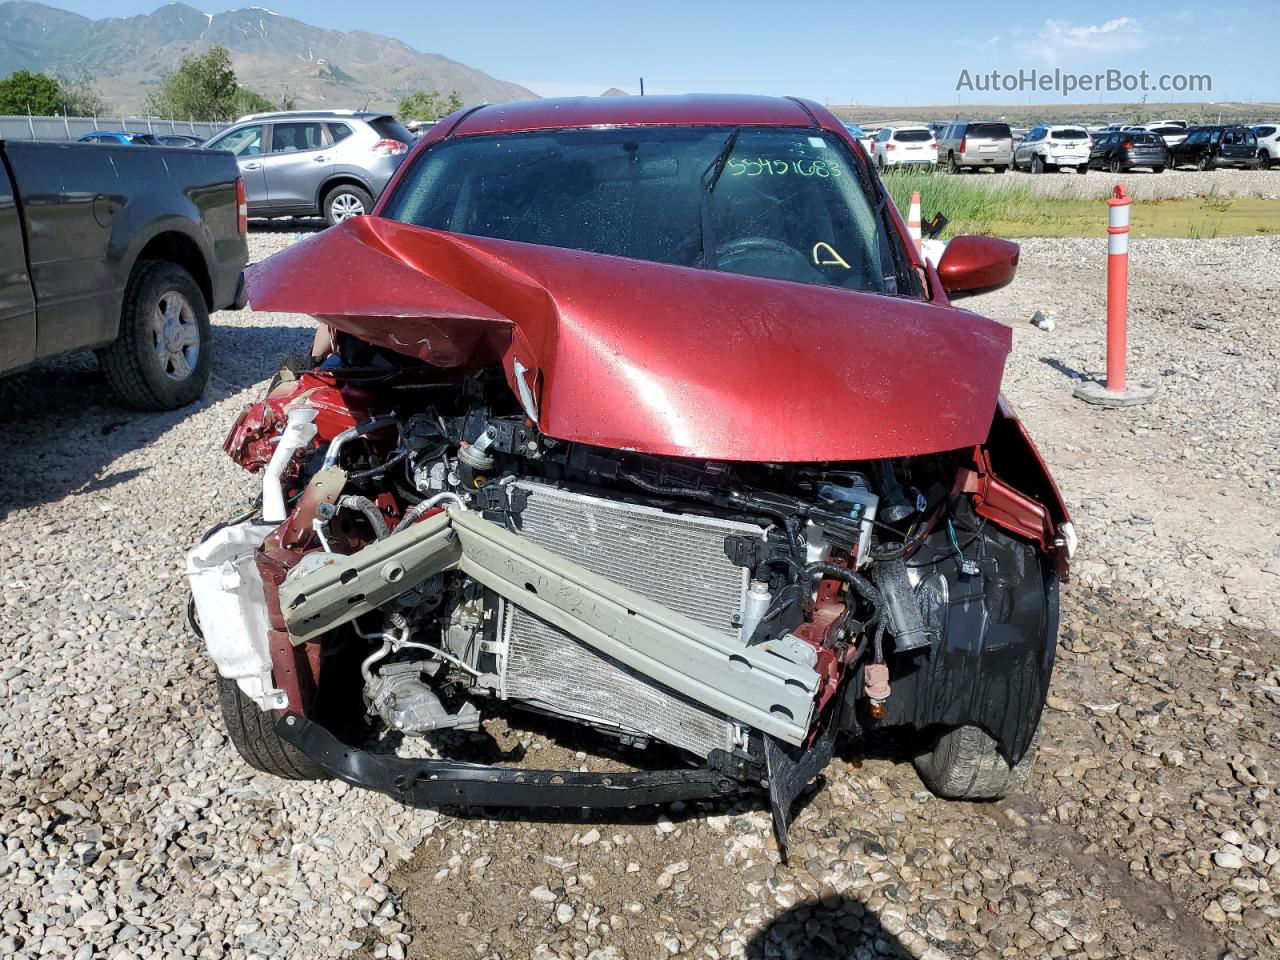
[(1125, 149), (1219, 146)]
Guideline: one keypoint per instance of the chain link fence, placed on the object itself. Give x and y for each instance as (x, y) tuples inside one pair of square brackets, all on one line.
[(72, 128)]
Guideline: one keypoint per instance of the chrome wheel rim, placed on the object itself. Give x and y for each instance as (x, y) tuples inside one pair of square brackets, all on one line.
[(175, 336), (345, 206)]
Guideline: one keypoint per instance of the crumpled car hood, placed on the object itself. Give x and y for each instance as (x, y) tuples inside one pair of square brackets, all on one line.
[(659, 359)]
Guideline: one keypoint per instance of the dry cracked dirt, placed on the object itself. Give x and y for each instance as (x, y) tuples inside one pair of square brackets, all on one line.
[(1150, 826)]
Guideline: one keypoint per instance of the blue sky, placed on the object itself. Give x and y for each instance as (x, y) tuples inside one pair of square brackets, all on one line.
[(888, 53)]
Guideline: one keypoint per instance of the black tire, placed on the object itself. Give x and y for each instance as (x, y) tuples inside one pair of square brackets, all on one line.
[(952, 166), (964, 764), (341, 201), (252, 730), (1157, 169), (1204, 164), (1262, 162), (1114, 165), (1000, 168), (158, 362), (1082, 169), (1037, 164)]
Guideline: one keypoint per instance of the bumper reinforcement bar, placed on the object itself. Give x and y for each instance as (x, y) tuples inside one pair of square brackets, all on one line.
[(471, 784)]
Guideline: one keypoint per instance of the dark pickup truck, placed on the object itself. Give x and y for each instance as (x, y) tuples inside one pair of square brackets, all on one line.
[(122, 251)]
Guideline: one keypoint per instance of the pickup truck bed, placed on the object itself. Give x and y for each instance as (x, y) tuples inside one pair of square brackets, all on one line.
[(120, 249)]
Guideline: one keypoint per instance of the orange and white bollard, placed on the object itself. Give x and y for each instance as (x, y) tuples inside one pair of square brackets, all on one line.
[(913, 220), (1117, 391)]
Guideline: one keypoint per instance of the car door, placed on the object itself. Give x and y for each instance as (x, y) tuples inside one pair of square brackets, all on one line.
[(297, 163), (1027, 149), (17, 306), (247, 145), (1099, 149)]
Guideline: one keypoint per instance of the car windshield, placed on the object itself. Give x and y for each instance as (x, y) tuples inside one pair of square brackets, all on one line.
[(1147, 138), (1069, 133), (772, 202), (989, 131)]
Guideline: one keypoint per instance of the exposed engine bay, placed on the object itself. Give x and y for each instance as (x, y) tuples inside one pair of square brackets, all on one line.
[(422, 554)]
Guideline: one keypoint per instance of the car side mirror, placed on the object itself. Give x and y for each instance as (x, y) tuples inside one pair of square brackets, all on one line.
[(973, 265)]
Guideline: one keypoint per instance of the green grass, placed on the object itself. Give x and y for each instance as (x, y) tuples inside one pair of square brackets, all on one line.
[(1014, 210)]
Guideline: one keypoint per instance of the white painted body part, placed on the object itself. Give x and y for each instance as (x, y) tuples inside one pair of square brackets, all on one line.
[(232, 608)]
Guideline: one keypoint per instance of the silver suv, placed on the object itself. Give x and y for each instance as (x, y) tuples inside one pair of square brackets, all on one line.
[(329, 163), (975, 145)]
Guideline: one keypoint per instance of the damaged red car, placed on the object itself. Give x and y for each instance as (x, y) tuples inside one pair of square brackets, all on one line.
[(646, 414)]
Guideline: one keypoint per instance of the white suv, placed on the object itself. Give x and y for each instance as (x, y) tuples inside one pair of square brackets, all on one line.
[(1268, 135), (1050, 148), (899, 146)]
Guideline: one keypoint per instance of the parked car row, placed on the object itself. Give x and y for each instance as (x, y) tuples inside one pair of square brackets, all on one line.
[(329, 163), (1045, 148)]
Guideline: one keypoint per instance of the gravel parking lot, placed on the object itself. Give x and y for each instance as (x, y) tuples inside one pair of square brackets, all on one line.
[(1150, 826)]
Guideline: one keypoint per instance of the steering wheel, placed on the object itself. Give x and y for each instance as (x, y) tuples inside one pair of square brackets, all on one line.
[(766, 257)]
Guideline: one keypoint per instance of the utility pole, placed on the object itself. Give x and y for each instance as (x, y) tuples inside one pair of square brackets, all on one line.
[(642, 86)]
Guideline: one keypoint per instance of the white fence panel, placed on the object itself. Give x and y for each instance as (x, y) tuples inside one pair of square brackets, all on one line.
[(72, 128)]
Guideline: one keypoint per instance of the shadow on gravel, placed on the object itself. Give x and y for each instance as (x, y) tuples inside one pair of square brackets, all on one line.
[(834, 928), (1067, 371), (61, 427)]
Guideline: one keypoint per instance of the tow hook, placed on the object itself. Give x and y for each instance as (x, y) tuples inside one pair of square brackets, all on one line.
[(875, 677)]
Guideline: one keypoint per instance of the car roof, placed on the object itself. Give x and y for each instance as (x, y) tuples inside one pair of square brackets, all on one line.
[(687, 109), (313, 114)]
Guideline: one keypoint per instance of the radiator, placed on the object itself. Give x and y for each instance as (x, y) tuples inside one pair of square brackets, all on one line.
[(677, 560)]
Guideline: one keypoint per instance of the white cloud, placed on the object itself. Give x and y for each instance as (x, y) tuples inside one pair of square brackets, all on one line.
[(1118, 35)]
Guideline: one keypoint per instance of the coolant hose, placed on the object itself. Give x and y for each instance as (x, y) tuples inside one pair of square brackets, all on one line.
[(900, 605), (855, 580), (371, 513), (418, 509)]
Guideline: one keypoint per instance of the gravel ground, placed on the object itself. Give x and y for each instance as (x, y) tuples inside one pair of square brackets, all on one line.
[(1142, 184), (1149, 828)]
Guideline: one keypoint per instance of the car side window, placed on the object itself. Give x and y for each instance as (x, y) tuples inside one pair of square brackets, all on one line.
[(245, 142), (1249, 138), (296, 137), (339, 132)]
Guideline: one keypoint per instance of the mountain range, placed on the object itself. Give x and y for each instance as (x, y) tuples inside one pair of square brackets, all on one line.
[(124, 57)]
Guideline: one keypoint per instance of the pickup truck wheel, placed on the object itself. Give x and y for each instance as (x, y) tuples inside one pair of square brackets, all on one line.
[(964, 764), (161, 359), (346, 201), (252, 730)]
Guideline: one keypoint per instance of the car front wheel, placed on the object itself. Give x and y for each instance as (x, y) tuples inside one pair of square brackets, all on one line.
[(1205, 164), (346, 201), (162, 356)]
